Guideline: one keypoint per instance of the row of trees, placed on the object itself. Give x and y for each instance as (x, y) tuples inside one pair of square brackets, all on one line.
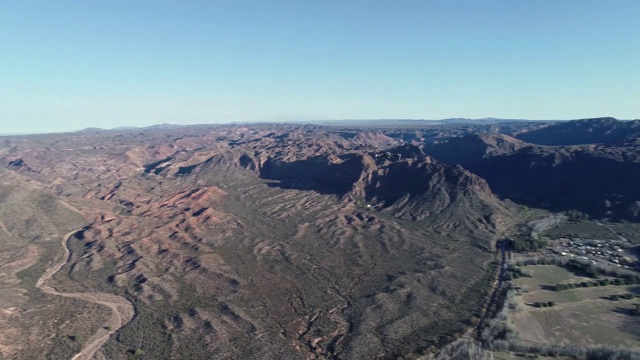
[(470, 349), (627, 296), (603, 282), (544, 304), (584, 267), (514, 272)]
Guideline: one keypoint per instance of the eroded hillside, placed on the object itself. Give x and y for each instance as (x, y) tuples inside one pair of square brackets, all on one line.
[(277, 241)]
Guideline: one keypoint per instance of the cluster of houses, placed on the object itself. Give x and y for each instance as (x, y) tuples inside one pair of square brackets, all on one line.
[(615, 252)]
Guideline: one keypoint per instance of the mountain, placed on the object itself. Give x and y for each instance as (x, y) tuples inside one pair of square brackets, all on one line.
[(470, 149), (605, 130), (598, 179), (415, 189), (450, 197), (243, 241), (483, 121)]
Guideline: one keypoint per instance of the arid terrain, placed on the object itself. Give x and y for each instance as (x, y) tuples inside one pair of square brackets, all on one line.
[(260, 241)]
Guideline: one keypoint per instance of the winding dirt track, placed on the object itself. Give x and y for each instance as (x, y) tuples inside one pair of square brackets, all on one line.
[(122, 309)]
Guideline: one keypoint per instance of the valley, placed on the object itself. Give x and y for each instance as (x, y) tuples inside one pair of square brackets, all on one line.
[(259, 240)]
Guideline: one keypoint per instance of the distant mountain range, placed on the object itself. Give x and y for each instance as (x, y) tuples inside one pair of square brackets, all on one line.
[(605, 130), (341, 122)]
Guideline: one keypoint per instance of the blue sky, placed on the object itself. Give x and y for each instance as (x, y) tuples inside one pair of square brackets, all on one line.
[(67, 65)]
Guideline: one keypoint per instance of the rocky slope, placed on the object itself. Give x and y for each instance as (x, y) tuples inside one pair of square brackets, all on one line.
[(598, 179), (470, 149), (451, 197), (268, 241)]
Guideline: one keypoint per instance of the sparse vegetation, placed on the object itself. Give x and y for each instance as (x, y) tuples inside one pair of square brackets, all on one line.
[(237, 246)]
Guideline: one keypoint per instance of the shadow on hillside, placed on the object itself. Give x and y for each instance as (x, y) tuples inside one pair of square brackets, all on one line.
[(623, 311), (584, 184), (629, 324), (316, 173)]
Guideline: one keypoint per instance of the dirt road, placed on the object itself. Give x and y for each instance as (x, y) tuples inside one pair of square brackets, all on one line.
[(122, 309), (613, 231)]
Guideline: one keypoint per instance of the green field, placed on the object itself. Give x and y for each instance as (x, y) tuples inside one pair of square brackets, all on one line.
[(581, 316), (589, 323), (547, 275)]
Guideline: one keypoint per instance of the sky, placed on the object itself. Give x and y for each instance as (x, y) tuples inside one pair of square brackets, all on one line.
[(69, 65)]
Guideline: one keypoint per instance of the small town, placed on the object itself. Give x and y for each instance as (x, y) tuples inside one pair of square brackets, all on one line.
[(616, 252)]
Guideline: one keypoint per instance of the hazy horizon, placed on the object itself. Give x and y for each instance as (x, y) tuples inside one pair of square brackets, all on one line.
[(316, 122)]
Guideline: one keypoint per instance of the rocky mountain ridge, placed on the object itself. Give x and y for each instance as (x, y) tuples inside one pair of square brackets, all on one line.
[(601, 179), (606, 130)]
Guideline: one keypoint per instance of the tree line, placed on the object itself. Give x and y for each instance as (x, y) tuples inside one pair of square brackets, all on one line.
[(602, 282)]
